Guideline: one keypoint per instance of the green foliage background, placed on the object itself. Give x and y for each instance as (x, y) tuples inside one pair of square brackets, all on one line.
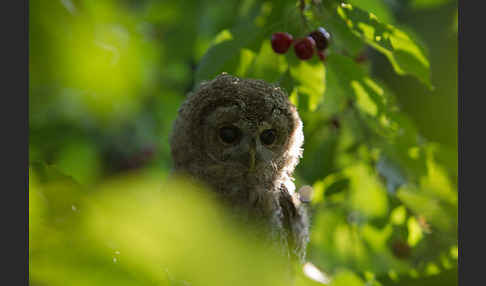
[(380, 125)]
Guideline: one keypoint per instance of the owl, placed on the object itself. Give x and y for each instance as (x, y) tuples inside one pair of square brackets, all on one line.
[(243, 138)]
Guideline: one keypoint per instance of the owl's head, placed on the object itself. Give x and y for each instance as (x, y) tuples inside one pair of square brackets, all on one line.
[(232, 127)]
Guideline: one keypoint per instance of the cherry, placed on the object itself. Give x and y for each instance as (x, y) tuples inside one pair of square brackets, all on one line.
[(322, 37), (304, 48), (281, 42)]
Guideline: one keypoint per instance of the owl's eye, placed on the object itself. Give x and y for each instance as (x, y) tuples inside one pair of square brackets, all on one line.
[(229, 134), (268, 136)]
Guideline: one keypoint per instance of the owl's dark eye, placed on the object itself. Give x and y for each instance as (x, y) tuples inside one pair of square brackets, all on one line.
[(229, 134), (268, 136)]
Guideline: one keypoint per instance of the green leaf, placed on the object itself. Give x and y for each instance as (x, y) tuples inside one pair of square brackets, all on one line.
[(267, 64), (403, 53), (309, 82), (368, 195), (287, 83), (436, 212), (403, 156), (343, 39), (428, 4), (347, 278), (346, 79), (378, 7), (225, 55), (337, 187), (444, 278)]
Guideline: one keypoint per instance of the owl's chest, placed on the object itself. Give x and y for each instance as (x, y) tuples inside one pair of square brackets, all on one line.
[(257, 200), (271, 214), (257, 206)]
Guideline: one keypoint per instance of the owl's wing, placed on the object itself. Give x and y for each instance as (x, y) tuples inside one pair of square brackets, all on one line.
[(296, 222)]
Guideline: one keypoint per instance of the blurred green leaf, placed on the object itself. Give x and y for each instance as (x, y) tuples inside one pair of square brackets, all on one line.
[(368, 194), (267, 65), (172, 225), (377, 7), (308, 79), (428, 4), (403, 53), (225, 56), (441, 216), (347, 278), (81, 161), (447, 277), (346, 81)]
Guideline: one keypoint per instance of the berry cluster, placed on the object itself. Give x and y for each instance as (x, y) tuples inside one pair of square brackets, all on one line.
[(303, 47)]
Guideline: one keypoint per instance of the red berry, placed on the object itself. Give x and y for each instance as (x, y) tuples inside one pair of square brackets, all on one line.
[(304, 48), (322, 37), (281, 42)]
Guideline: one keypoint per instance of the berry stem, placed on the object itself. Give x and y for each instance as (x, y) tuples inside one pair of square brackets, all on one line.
[(302, 7)]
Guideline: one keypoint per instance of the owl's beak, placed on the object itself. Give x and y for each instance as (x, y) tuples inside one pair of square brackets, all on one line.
[(252, 154)]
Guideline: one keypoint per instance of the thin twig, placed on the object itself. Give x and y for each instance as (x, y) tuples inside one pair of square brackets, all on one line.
[(302, 7)]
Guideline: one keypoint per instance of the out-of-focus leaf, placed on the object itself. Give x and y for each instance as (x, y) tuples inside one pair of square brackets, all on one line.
[(377, 237), (37, 205), (368, 194), (80, 160), (398, 215), (403, 157), (378, 7), (267, 64), (323, 143), (287, 83), (246, 59), (347, 278), (439, 215), (337, 187), (427, 4), (60, 193), (182, 235), (414, 231), (436, 182), (308, 78), (434, 195), (345, 79), (444, 278), (404, 54), (225, 56), (175, 226)]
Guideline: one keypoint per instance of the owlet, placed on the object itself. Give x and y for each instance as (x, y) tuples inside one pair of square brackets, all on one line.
[(243, 138)]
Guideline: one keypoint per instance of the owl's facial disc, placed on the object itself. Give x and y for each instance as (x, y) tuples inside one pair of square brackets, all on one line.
[(248, 148), (233, 128), (244, 144)]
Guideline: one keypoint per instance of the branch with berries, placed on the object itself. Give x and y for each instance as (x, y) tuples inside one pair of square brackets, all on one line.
[(316, 41)]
